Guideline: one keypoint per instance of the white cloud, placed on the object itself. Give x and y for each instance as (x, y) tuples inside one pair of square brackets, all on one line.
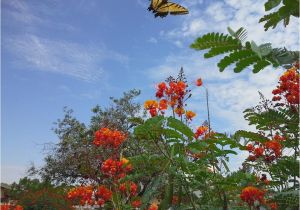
[(218, 15), (76, 60), (152, 40)]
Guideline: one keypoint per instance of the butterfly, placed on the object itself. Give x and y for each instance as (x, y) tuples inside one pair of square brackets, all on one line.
[(162, 8)]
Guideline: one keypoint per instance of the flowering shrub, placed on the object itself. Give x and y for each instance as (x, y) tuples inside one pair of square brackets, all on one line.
[(10, 207), (109, 138), (252, 194), (174, 162), (268, 151), (288, 88)]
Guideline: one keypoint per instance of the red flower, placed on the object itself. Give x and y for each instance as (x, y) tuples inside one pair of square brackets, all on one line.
[(251, 194), (104, 193), (259, 151), (100, 202), (136, 203), (199, 82), (273, 206), (251, 158), (114, 168), (133, 188), (200, 131), (109, 138), (190, 115), (163, 104), (153, 206), (275, 146), (179, 111), (122, 187), (277, 137), (152, 106), (250, 147), (175, 200), (288, 87)]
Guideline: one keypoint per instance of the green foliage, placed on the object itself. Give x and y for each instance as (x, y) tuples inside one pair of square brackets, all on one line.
[(35, 195), (74, 157), (287, 9), (250, 136), (242, 55)]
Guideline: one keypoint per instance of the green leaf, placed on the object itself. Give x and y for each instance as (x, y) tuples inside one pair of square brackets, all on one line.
[(151, 190), (225, 165), (180, 126), (270, 4), (260, 65)]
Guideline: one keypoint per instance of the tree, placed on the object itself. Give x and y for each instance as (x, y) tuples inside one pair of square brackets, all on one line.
[(73, 158)]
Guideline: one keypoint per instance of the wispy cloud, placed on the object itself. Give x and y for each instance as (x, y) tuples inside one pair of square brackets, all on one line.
[(72, 59), (216, 16), (230, 93)]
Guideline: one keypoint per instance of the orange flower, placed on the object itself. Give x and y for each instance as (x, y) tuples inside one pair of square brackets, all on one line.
[(189, 115), (153, 206), (259, 151), (150, 104), (18, 207), (84, 193), (200, 131), (277, 137), (251, 194), (273, 206), (136, 203), (114, 168), (288, 87), (104, 193), (124, 161), (250, 147), (179, 111), (163, 104), (275, 146), (153, 112), (199, 82), (109, 138), (122, 187), (133, 188)]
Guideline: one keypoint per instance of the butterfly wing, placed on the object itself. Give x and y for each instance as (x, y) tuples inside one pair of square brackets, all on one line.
[(155, 4), (172, 8)]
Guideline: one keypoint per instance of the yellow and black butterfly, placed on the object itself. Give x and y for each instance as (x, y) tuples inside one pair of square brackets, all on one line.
[(162, 8)]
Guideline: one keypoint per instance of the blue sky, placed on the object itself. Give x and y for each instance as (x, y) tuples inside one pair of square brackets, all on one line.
[(79, 53)]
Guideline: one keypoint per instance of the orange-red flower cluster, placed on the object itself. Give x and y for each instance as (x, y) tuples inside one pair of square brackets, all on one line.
[(81, 193), (199, 82), (153, 206), (190, 115), (270, 150), (251, 194), (200, 131), (10, 207), (174, 94), (87, 195), (103, 193), (109, 138), (136, 203), (115, 168), (273, 206), (151, 106), (288, 87), (128, 188)]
